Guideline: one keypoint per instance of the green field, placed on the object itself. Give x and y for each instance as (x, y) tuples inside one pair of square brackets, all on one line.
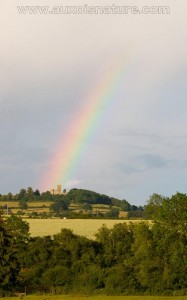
[(85, 227), (59, 297)]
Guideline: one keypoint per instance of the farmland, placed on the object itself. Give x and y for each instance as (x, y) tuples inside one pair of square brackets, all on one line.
[(44, 206), (32, 206), (85, 227), (63, 297)]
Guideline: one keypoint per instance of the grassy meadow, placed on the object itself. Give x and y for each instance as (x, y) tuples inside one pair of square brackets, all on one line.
[(85, 227), (62, 297)]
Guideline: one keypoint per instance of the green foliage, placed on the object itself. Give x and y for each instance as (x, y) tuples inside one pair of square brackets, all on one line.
[(3, 198), (19, 228), (173, 213), (28, 195), (119, 280), (125, 206), (153, 204), (22, 195), (138, 258), (56, 276), (87, 206), (37, 193), (59, 204), (136, 214), (9, 197), (89, 280), (85, 196), (9, 265), (89, 197), (45, 197), (23, 204), (144, 260), (113, 213), (116, 243)]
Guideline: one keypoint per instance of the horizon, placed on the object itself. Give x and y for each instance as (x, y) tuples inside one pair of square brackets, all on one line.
[(94, 191)]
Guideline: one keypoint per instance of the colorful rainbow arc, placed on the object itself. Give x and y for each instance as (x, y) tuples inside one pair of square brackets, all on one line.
[(70, 151)]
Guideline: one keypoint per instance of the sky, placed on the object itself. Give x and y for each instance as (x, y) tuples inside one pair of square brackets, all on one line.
[(50, 64)]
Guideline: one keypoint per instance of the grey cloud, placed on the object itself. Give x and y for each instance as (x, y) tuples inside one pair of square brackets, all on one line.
[(151, 161), (141, 163)]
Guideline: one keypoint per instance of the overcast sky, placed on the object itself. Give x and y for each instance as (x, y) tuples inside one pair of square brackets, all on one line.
[(48, 63)]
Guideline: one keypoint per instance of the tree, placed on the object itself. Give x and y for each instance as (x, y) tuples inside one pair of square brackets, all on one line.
[(160, 250), (21, 235), (170, 225), (173, 213), (113, 213), (56, 276), (87, 206), (86, 196), (9, 265), (125, 206), (37, 193), (137, 214), (119, 280), (170, 248), (59, 205), (89, 280), (23, 204), (20, 229), (146, 262), (16, 197), (116, 243), (133, 208), (30, 193), (22, 194), (153, 204), (4, 198), (46, 196), (9, 197)]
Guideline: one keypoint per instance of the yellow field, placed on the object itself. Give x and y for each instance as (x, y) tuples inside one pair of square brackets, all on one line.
[(68, 297), (85, 227), (39, 204), (10, 204), (38, 207), (15, 204)]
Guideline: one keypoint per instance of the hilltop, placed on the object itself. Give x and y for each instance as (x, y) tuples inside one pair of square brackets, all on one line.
[(75, 203)]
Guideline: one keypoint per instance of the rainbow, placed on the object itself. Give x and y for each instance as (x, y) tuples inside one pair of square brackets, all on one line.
[(70, 151)]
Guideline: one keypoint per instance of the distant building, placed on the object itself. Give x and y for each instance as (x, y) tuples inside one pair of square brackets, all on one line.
[(58, 190)]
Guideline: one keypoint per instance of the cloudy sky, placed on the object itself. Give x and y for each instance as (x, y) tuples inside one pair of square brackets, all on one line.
[(49, 63)]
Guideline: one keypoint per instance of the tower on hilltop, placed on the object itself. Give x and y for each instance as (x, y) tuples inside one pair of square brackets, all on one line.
[(58, 190)]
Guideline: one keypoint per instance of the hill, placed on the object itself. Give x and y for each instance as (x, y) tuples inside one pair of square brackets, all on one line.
[(87, 196)]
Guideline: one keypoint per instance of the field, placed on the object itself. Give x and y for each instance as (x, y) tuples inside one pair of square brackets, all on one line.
[(43, 206), (85, 227), (14, 204), (32, 206), (59, 297)]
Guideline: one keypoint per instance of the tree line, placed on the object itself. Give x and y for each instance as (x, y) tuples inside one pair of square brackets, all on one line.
[(129, 259), (83, 197)]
